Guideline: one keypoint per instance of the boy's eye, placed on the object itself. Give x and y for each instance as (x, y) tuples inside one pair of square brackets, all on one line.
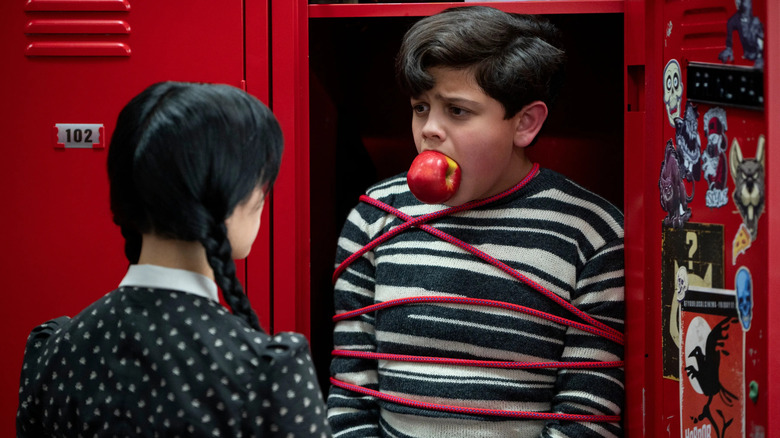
[(457, 111), (419, 107)]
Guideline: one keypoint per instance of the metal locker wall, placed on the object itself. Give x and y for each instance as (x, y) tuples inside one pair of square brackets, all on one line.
[(709, 235), (69, 67)]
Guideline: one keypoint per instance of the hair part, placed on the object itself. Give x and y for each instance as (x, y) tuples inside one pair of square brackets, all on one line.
[(515, 59), (182, 157)]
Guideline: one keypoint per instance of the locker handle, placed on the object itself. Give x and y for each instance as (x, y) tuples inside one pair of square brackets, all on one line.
[(77, 26), (78, 5), (635, 88), (77, 49)]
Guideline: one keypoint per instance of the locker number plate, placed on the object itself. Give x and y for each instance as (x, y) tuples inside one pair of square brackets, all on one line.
[(79, 135)]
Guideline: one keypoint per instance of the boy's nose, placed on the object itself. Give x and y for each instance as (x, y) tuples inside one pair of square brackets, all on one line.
[(432, 129)]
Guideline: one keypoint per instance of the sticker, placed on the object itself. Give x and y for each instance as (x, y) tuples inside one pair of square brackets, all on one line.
[(714, 166), (79, 135), (748, 175), (743, 283), (674, 195), (750, 32), (753, 391), (712, 399), (673, 89), (691, 257), (688, 142), (741, 243)]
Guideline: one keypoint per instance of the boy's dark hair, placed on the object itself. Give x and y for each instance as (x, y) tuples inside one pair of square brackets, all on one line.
[(516, 59), (182, 157)]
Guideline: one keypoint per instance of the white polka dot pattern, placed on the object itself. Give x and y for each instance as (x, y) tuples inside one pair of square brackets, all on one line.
[(162, 363)]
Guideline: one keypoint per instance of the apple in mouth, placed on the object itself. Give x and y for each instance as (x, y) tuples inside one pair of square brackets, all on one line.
[(433, 177)]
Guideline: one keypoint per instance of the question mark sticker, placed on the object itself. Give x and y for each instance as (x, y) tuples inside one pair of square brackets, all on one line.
[(692, 239)]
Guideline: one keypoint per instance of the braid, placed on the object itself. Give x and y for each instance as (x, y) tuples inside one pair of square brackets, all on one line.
[(218, 252)]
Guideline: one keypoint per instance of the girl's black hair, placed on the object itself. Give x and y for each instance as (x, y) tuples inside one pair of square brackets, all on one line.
[(182, 157), (516, 59)]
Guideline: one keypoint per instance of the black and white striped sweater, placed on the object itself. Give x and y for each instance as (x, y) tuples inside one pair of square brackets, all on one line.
[(553, 232)]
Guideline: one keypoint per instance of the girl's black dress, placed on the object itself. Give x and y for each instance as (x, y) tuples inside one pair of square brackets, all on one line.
[(166, 361)]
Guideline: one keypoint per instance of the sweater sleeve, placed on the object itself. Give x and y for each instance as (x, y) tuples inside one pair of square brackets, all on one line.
[(28, 415), (352, 414), (599, 293), (295, 406)]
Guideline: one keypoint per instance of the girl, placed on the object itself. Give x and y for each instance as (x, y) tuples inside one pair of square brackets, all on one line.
[(189, 168)]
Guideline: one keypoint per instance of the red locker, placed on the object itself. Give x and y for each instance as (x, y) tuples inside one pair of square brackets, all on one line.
[(70, 66), (651, 32), (707, 230)]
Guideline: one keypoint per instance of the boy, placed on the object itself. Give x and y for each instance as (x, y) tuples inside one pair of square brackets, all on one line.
[(503, 303)]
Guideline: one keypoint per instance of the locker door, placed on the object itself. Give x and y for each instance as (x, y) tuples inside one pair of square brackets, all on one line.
[(710, 228), (69, 67)]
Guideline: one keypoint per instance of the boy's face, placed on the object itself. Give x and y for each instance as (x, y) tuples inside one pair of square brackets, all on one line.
[(458, 119)]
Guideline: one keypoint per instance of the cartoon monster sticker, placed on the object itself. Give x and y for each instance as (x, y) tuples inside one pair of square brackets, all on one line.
[(673, 89), (674, 196), (750, 32), (688, 142), (743, 283), (748, 175), (713, 160)]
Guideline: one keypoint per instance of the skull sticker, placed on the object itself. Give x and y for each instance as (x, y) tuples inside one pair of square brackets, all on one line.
[(673, 90), (743, 283)]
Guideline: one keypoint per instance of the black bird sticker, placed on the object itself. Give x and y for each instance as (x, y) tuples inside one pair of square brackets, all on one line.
[(706, 372)]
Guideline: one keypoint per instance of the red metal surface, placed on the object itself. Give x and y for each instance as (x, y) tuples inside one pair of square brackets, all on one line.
[(257, 83), (424, 9), (689, 32), (289, 96), (77, 26), (772, 90), (635, 200), (77, 48), (651, 214), (78, 5), (60, 250)]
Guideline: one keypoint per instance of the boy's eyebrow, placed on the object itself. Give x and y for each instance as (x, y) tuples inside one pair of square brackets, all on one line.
[(457, 100)]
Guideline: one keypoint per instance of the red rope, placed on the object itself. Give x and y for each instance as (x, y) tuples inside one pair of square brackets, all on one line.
[(592, 326), (420, 222), (410, 222), (476, 363), (481, 302), (476, 411)]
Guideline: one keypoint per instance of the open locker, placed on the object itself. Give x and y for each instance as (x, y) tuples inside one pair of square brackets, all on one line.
[(353, 110), (361, 127)]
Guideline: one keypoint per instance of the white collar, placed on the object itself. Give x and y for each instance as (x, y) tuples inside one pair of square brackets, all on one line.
[(159, 277)]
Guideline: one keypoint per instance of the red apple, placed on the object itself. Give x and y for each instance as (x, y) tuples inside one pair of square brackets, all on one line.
[(433, 177)]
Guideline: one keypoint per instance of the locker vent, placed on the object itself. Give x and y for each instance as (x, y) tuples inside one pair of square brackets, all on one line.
[(704, 28), (77, 28)]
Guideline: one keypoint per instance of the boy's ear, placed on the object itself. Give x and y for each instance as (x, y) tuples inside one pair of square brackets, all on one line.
[(529, 121)]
